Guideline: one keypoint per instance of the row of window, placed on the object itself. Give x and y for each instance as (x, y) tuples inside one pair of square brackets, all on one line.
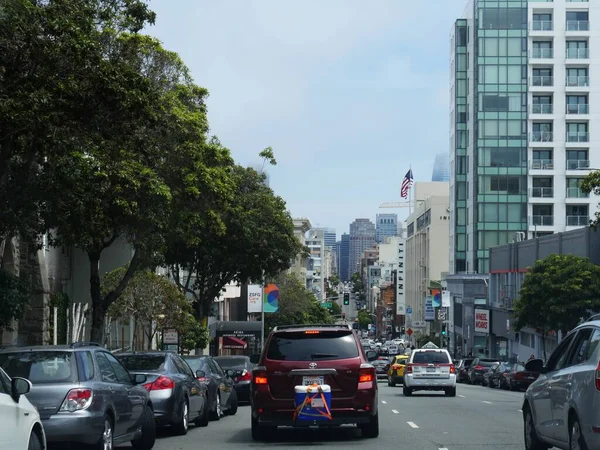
[(576, 132), (575, 21)]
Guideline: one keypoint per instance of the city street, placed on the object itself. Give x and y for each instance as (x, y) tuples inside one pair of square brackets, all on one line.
[(478, 417)]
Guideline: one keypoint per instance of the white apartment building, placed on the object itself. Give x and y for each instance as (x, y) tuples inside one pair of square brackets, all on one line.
[(317, 265), (427, 243), (298, 266), (563, 113)]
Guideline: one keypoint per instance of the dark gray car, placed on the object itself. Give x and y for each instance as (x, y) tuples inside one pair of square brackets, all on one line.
[(84, 395), (178, 397), (242, 373)]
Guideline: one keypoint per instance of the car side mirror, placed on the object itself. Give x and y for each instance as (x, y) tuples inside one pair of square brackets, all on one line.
[(230, 373), (19, 386), (535, 365), (200, 374), (139, 378), (372, 355)]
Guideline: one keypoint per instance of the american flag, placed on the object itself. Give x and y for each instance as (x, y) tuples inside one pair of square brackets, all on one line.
[(406, 184)]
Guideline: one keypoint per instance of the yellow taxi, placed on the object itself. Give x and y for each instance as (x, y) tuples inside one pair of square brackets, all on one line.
[(396, 370)]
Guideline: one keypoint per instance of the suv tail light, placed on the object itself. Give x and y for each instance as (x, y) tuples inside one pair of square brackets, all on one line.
[(478, 367), (77, 400), (598, 377), (452, 368), (366, 373), (260, 376), (408, 368), (245, 376), (160, 384)]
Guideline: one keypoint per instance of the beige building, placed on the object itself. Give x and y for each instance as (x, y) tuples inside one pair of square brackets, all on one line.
[(427, 243), (298, 268)]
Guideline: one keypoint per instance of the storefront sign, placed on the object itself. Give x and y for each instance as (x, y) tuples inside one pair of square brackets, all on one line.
[(482, 320)]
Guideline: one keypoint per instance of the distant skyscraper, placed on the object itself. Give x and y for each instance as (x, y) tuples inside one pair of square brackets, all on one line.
[(387, 225), (362, 237), (344, 264), (328, 236), (441, 167)]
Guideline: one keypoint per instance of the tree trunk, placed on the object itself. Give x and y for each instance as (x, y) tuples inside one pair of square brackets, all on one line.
[(98, 308), (544, 345)]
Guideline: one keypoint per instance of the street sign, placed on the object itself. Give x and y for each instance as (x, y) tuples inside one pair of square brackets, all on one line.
[(326, 305), (441, 314), (409, 331), (430, 345), (170, 336), (409, 310)]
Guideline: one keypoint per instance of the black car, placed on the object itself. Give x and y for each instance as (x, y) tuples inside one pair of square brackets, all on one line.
[(478, 368), (178, 397), (242, 374), (462, 367), (222, 397)]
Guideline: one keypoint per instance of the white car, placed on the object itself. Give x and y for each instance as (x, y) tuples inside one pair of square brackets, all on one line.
[(430, 370), (20, 424)]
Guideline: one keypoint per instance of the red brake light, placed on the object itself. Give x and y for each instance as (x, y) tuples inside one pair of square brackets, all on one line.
[(160, 384), (408, 368), (478, 367), (452, 369), (312, 332), (245, 376), (77, 400), (260, 377), (366, 373), (598, 377)]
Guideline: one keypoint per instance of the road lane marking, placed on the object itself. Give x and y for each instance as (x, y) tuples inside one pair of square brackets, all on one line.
[(395, 412), (519, 410), (485, 401), (413, 425), (443, 448), (384, 402), (461, 396)]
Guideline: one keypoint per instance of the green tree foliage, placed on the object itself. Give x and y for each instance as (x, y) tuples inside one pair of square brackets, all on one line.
[(14, 298), (591, 184), (557, 292), (364, 319), (193, 335), (297, 305), (257, 238), (358, 287)]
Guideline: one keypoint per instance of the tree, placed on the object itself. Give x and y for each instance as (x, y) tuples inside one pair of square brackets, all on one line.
[(364, 319), (591, 184), (151, 300), (297, 305), (14, 298), (358, 287), (257, 241), (557, 292)]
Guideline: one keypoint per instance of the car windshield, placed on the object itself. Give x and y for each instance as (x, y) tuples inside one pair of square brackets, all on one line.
[(197, 364), (300, 346), (430, 357), (487, 363), (227, 361), (142, 362), (41, 366)]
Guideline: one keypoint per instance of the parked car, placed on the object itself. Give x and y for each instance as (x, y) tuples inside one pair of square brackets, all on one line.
[(498, 377), (430, 370), (84, 395), (242, 374), (487, 374), (561, 407), (520, 378), (314, 354), (222, 397), (20, 424), (177, 396), (478, 368), (462, 367)]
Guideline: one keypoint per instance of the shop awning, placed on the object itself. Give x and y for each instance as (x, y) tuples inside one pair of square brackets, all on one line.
[(234, 342)]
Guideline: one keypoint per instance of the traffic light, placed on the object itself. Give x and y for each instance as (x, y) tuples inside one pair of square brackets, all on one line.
[(444, 329), (403, 330), (346, 298)]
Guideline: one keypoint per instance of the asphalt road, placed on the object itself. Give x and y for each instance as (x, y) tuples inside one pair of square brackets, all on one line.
[(478, 417)]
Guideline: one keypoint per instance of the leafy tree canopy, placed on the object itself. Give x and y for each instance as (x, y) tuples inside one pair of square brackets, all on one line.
[(14, 298), (358, 287), (591, 184), (364, 319)]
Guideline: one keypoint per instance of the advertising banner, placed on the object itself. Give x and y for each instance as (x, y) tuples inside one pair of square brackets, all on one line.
[(400, 293), (254, 298), (271, 299), (446, 299), (429, 309), (482, 320)]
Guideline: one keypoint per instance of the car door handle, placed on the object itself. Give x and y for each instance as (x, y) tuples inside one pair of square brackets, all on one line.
[(548, 388)]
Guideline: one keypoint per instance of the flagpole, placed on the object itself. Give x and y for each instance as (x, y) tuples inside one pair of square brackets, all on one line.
[(410, 193)]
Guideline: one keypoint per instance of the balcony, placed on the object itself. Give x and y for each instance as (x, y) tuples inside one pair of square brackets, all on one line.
[(537, 80), (578, 81), (541, 164), (578, 164), (540, 136), (582, 136), (575, 192), (579, 108), (541, 192), (542, 25), (578, 53), (578, 221), (578, 25), (542, 53), (542, 221), (539, 108)]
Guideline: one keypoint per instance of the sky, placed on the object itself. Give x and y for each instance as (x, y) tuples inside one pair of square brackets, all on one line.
[(350, 94)]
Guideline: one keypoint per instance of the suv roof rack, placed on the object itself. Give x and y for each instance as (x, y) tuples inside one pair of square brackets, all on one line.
[(319, 325), (84, 344)]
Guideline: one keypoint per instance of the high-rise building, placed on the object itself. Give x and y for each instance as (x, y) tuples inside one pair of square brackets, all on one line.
[(441, 167), (328, 236), (520, 124), (344, 258), (386, 226), (362, 237)]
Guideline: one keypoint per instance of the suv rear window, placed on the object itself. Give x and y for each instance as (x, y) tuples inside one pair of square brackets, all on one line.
[(41, 366), (142, 362), (430, 358), (301, 346), (488, 363)]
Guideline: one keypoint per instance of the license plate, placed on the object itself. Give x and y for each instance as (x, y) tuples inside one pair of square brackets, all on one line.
[(431, 369), (530, 378), (317, 403), (307, 381)]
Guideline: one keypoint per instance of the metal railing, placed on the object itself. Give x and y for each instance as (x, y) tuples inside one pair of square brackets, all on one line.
[(541, 192), (543, 221), (540, 136), (541, 164), (542, 53), (541, 108), (577, 221), (578, 25), (578, 108), (540, 80), (582, 136), (578, 81), (542, 25), (578, 53), (577, 164), (575, 192)]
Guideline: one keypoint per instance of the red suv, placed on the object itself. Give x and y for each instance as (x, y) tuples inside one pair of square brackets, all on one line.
[(314, 354)]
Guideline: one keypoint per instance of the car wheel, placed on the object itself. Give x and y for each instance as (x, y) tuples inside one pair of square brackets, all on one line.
[(203, 420), (371, 430), (180, 428), (260, 433), (35, 442), (390, 384), (407, 391), (218, 412), (233, 404), (106, 438), (451, 392), (576, 439), (532, 441), (148, 437)]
